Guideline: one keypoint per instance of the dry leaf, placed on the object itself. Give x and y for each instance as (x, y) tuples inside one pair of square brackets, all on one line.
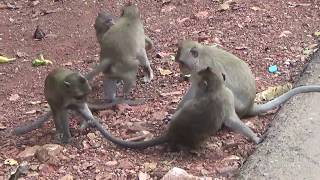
[(10, 162), (255, 8), (143, 176), (285, 33), (31, 112), (273, 92), (164, 72), (225, 5), (14, 97), (150, 166), (34, 102)]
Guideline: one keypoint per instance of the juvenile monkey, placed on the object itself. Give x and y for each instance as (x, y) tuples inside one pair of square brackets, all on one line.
[(122, 50), (200, 117), (192, 57), (105, 20), (64, 90)]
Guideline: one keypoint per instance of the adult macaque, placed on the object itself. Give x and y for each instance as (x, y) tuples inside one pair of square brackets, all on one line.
[(122, 50), (200, 117), (104, 21), (64, 90), (192, 57)]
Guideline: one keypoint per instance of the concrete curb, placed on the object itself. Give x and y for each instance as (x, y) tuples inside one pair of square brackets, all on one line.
[(292, 148)]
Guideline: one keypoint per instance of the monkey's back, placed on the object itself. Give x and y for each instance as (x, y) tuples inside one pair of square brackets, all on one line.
[(124, 39), (239, 77), (197, 121)]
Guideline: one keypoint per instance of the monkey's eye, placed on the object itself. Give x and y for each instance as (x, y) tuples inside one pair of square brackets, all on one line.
[(194, 52)]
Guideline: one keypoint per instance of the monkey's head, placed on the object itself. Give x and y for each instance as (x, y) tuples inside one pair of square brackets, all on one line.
[(209, 78), (76, 87), (131, 11), (188, 57), (103, 22)]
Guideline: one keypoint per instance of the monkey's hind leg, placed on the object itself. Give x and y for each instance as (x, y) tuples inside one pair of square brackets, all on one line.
[(144, 62), (110, 88), (233, 122)]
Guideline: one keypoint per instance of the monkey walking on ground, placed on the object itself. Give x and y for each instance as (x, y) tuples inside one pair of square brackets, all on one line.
[(122, 50), (64, 90), (198, 118), (193, 56)]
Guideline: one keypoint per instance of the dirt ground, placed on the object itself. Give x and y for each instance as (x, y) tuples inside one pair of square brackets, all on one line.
[(262, 33)]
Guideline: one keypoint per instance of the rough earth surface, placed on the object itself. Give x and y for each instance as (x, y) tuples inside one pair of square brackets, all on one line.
[(291, 150), (263, 33)]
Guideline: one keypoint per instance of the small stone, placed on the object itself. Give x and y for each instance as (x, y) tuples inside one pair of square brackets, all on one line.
[(67, 177), (28, 153), (111, 163)]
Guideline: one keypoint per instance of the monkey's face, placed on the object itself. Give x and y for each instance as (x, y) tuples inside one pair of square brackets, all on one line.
[(188, 60), (103, 22), (77, 88)]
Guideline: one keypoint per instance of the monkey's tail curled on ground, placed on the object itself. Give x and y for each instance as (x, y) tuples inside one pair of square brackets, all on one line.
[(32, 126), (130, 144), (262, 108)]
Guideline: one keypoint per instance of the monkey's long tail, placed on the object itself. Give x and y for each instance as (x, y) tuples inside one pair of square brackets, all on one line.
[(262, 108), (130, 144), (33, 125)]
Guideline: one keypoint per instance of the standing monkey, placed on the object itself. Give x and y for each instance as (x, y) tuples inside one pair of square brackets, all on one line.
[(192, 57), (63, 90), (104, 21), (122, 50)]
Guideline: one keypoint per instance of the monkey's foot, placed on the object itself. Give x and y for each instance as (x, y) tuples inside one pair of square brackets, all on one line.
[(60, 139)]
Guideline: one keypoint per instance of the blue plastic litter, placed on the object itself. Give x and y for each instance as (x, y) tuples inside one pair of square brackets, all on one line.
[(273, 69)]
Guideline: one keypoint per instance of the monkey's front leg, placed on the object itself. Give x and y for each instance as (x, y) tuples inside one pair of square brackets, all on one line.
[(144, 62), (189, 95), (61, 123)]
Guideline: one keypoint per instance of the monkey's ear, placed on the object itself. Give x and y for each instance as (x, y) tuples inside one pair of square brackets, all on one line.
[(194, 52), (67, 84), (223, 76), (82, 79)]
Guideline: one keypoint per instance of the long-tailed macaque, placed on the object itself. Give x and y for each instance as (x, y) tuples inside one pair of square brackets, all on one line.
[(199, 117), (192, 57), (122, 50), (64, 90), (104, 21)]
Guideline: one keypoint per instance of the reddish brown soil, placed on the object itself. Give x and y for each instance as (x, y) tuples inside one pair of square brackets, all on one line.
[(251, 35)]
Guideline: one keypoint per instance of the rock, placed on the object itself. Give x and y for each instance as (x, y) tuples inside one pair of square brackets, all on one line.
[(91, 136), (111, 163), (124, 164), (53, 149), (28, 153), (49, 153), (143, 176), (67, 177), (178, 173), (150, 166)]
